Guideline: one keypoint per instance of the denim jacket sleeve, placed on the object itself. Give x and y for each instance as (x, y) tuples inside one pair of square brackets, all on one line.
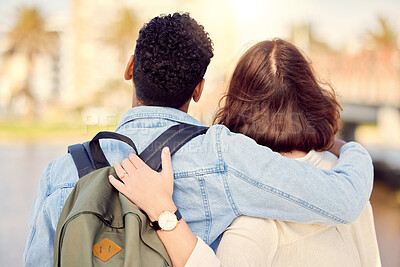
[(39, 247), (46, 208), (265, 184)]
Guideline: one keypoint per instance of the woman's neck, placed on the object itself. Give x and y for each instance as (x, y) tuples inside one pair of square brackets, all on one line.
[(293, 154)]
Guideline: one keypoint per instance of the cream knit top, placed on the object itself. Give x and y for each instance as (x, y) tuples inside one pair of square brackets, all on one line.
[(250, 241)]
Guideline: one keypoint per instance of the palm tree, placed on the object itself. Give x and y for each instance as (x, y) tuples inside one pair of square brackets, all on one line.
[(385, 37), (29, 38), (122, 33), (383, 50), (304, 34)]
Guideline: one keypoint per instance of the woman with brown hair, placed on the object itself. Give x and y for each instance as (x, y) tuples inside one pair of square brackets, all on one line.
[(274, 98)]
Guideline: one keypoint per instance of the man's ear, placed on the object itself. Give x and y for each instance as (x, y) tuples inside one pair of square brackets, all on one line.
[(129, 69), (198, 91)]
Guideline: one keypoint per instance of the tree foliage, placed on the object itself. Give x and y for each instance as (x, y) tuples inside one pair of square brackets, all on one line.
[(29, 35), (29, 38), (122, 32), (385, 37)]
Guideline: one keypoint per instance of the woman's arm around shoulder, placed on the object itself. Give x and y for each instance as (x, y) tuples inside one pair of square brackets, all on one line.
[(155, 197), (280, 185)]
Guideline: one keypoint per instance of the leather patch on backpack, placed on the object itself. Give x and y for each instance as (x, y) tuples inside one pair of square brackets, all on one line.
[(105, 249)]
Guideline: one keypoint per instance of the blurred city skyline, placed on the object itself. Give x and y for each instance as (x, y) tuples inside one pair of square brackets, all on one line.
[(335, 22), (78, 69)]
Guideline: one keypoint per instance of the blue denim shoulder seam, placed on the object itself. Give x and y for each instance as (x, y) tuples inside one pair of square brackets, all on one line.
[(222, 162), (286, 196), (59, 187), (218, 143), (203, 171), (46, 216), (63, 199), (48, 176), (207, 209), (229, 195)]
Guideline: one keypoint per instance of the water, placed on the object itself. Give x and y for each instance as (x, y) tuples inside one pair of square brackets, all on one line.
[(20, 169), (21, 166), (386, 205)]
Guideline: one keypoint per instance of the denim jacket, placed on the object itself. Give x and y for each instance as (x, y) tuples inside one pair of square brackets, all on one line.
[(218, 176)]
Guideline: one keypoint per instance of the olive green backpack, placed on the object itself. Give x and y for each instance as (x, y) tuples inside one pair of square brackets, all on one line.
[(98, 226)]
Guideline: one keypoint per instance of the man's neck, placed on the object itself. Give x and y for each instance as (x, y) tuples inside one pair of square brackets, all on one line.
[(184, 108)]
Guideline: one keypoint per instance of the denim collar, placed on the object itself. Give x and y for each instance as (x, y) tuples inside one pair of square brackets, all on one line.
[(149, 112)]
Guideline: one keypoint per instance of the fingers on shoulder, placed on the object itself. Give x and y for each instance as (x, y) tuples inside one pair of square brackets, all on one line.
[(120, 186), (136, 161)]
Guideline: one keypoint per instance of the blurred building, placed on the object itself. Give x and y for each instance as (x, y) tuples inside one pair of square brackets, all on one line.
[(86, 75), (367, 82), (368, 85), (95, 64)]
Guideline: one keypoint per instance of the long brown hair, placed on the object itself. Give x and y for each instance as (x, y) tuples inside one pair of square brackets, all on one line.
[(275, 98)]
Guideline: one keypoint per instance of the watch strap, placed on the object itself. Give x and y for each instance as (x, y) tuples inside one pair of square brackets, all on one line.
[(178, 215), (155, 225)]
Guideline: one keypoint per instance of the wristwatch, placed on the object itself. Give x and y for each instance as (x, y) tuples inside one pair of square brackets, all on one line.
[(167, 221)]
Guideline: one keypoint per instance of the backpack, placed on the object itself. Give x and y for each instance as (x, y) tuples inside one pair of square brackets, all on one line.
[(99, 226)]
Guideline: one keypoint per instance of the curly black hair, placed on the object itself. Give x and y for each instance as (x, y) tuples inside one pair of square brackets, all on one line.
[(171, 57)]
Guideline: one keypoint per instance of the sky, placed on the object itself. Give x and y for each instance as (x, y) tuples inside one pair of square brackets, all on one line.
[(335, 22), (351, 18), (7, 7), (50, 8)]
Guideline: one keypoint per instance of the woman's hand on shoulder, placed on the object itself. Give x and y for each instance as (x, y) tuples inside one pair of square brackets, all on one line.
[(335, 148), (149, 190)]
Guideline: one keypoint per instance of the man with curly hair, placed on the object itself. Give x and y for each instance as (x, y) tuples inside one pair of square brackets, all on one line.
[(219, 175), (171, 57)]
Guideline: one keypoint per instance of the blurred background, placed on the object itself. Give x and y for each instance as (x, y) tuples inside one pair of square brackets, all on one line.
[(61, 81)]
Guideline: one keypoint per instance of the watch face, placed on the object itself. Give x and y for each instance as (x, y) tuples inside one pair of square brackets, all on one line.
[(167, 220)]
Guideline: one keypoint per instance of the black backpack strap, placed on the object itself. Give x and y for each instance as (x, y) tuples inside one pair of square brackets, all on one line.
[(98, 156), (174, 138), (89, 156), (81, 159)]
